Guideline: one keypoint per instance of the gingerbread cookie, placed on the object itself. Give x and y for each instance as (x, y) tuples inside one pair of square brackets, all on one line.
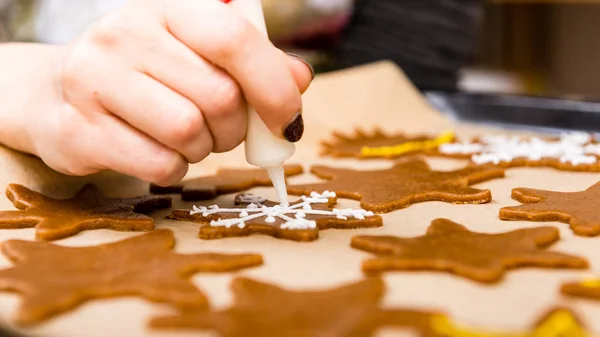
[(574, 151), (557, 322), (223, 182), (578, 209), (450, 247), (55, 219), (407, 182), (381, 145), (53, 279), (300, 221), (587, 288), (265, 310)]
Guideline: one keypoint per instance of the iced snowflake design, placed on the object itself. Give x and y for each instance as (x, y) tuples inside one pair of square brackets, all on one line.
[(575, 148), (293, 215)]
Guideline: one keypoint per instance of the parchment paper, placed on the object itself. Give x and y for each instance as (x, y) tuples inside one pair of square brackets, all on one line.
[(377, 94)]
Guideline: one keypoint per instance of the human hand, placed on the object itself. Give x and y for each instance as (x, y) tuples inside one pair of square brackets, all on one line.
[(160, 84)]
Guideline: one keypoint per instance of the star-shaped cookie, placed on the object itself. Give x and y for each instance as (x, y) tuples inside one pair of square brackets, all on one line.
[(223, 182), (299, 221), (378, 144), (55, 219), (578, 209), (407, 182), (53, 279), (450, 247), (264, 310)]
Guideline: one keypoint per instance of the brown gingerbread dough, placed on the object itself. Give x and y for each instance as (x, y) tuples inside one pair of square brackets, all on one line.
[(407, 182), (450, 247), (53, 279), (264, 310), (259, 224), (352, 146), (55, 219), (223, 182), (581, 210)]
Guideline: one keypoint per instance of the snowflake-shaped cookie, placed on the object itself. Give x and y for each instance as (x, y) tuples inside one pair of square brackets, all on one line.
[(300, 220), (572, 151)]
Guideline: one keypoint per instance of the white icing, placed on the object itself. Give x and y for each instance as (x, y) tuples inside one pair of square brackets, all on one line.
[(573, 148), (461, 148), (592, 149), (294, 215), (277, 176)]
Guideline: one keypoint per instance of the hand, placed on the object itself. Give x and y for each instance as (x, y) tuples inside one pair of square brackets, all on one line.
[(160, 84)]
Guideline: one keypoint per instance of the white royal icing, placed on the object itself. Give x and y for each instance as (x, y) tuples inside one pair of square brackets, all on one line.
[(294, 215), (572, 147)]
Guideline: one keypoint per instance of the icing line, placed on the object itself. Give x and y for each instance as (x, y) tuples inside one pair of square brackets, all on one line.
[(591, 283), (445, 137)]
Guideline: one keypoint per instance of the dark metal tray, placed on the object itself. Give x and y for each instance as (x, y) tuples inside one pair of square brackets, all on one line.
[(543, 114)]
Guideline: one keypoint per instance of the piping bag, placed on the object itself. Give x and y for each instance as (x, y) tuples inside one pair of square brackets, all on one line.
[(263, 148)]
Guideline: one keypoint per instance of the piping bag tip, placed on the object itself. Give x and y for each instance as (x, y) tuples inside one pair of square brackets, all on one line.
[(277, 176)]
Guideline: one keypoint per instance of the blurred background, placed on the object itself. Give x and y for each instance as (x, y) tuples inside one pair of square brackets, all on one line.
[(526, 47)]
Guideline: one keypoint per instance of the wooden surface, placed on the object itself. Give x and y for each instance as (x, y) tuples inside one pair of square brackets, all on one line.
[(372, 95)]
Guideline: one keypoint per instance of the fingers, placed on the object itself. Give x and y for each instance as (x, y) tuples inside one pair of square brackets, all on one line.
[(232, 43), (157, 111), (135, 154), (128, 151), (218, 96), (97, 141)]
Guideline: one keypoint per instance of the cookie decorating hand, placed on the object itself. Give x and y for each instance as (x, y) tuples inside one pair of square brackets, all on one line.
[(148, 89)]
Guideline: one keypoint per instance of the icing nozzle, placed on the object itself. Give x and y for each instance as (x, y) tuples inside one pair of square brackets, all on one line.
[(277, 176)]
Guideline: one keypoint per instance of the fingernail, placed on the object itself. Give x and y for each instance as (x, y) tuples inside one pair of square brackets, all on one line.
[(293, 131), (303, 60)]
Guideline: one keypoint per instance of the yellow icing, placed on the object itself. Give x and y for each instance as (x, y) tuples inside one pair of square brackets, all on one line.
[(445, 327), (591, 283), (395, 150), (559, 324)]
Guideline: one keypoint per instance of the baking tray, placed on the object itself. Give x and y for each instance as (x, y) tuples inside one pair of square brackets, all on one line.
[(544, 114)]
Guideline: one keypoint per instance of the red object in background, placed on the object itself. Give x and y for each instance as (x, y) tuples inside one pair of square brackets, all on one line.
[(226, 1)]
